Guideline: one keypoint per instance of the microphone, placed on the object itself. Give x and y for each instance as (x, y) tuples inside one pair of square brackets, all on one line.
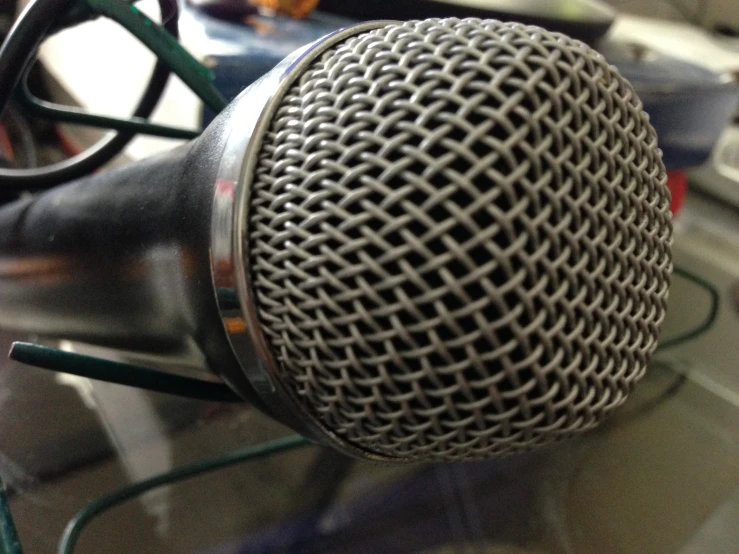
[(422, 241)]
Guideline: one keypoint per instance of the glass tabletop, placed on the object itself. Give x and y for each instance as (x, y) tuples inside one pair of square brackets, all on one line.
[(662, 475)]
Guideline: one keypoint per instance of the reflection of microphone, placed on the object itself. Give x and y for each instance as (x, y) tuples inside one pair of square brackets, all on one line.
[(432, 240)]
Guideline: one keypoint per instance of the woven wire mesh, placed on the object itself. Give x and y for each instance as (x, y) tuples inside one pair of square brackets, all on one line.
[(460, 238)]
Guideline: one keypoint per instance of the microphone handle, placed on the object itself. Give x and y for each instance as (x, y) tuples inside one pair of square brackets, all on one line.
[(85, 260), (121, 258)]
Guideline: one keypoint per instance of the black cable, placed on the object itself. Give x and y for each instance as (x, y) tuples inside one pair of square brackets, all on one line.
[(77, 116), (710, 318), (17, 52), (640, 410), (23, 40)]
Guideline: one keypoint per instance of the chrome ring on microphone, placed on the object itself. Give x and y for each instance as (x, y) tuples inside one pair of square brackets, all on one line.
[(252, 113)]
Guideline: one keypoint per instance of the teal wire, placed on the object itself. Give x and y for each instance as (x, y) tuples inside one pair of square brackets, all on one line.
[(9, 542), (100, 369), (710, 318), (167, 49), (93, 509)]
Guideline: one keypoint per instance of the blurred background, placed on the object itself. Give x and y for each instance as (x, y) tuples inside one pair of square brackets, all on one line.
[(662, 475)]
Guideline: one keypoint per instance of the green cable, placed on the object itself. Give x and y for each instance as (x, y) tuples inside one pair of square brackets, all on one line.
[(83, 517), (710, 319), (162, 44), (101, 369), (9, 542), (195, 75)]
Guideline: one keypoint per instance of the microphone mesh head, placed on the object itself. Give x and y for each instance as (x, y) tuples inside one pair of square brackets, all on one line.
[(459, 239)]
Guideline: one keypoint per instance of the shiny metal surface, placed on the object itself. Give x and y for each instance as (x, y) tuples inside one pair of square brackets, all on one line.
[(229, 232)]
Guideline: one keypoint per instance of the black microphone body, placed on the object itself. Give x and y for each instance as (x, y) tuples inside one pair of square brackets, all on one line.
[(120, 258), (124, 258), (422, 241)]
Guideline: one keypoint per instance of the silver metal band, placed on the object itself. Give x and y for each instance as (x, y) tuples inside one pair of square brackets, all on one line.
[(252, 112)]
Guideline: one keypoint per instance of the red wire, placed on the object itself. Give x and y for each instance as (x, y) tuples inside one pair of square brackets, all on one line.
[(5, 145), (677, 182), (68, 146)]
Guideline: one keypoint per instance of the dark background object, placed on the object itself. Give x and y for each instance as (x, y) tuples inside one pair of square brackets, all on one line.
[(587, 20), (234, 10), (688, 105)]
